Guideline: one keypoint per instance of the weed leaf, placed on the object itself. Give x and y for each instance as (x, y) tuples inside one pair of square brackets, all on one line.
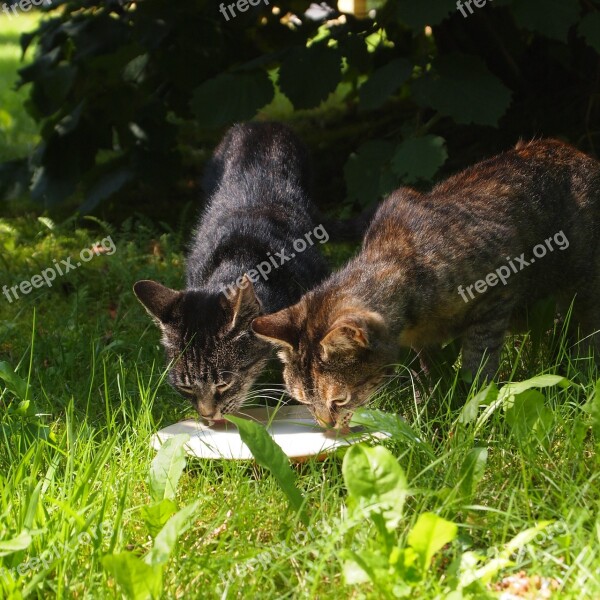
[(269, 455), (376, 481), (13, 382), (167, 467), (156, 515), (137, 580), (167, 537), (429, 535)]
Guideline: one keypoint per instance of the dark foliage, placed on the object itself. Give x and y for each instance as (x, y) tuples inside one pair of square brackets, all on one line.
[(123, 91)]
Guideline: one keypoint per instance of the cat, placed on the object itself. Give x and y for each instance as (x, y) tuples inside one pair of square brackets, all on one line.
[(245, 258), (438, 266)]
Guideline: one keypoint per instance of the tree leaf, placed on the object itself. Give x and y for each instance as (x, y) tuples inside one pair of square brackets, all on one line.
[(230, 97), (429, 535), (419, 158), (419, 14), (589, 28), (268, 454), (138, 580), (308, 75), (552, 18), (367, 172), (106, 186), (376, 481), (167, 467), (464, 89), (384, 82)]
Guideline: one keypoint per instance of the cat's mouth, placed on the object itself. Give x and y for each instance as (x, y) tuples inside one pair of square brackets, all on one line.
[(343, 431), (215, 422)]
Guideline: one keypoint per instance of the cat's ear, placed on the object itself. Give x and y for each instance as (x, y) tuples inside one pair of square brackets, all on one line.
[(276, 329), (351, 332), (245, 304), (157, 299)]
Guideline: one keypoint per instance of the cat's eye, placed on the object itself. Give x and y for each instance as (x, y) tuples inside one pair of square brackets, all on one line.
[(223, 385)]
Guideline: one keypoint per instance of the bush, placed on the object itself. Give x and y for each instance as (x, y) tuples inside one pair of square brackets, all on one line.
[(120, 89)]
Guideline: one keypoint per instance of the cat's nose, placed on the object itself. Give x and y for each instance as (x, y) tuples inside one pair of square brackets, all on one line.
[(208, 410), (323, 416)]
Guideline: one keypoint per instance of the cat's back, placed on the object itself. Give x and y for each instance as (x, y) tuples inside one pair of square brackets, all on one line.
[(537, 170), (259, 188), (257, 153)]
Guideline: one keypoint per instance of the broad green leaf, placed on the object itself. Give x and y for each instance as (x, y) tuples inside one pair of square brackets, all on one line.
[(529, 418), (510, 390), (419, 14), (429, 535), (156, 515), (392, 424), (308, 75), (589, 28), (231, 97), (485, 397), (552, 18), (167, 537), (541, 381), (269, 455), (463, 88), (21, 542), (109, 184), (354, 48), (472, 471), (376, 481), (368, 173), (167, 467), (384, 82), (13, 382), (138, 580), (419, 158)]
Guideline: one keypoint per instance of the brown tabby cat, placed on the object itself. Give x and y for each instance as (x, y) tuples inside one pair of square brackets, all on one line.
[(463, 261)]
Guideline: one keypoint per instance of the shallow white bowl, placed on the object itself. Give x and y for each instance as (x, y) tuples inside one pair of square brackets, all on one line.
[(292, 427)]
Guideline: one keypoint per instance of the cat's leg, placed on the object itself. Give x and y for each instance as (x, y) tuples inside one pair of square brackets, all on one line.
[(483, 339)]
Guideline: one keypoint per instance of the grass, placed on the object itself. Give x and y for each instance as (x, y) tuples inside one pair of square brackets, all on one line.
[(75, 477)]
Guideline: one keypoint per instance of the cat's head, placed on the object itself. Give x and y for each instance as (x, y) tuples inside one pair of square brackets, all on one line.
[(215, 355), (334, 360)]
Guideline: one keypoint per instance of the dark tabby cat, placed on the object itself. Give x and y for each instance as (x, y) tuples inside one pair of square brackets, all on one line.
[(440, 265), (258, 186)]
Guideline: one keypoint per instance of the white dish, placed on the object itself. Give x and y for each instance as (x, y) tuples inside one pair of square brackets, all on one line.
[(292, 427)]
